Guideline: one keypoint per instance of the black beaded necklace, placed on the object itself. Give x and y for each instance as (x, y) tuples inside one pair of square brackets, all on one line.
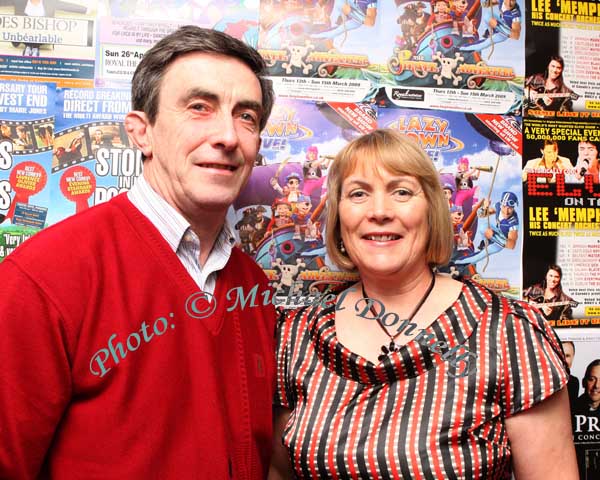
[(388, 350)]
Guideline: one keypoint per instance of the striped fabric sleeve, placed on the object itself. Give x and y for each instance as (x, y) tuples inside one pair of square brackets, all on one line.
[(533, 363), (282, 396)]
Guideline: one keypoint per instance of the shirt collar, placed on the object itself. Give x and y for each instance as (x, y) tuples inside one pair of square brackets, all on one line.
[(169, 222)]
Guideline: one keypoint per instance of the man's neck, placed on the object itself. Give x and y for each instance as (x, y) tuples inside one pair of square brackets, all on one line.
[(206, 223), (207, 230)]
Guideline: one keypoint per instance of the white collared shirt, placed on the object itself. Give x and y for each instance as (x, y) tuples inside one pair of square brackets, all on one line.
[(178, 233), (35, 10)]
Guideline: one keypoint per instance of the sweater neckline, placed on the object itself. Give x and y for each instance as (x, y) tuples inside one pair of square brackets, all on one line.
[(454, 326), (174, 269)]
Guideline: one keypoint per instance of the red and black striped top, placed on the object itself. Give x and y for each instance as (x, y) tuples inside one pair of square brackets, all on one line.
[(410, 416)]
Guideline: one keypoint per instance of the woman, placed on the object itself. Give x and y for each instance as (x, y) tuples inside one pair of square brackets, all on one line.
[(460, 388)]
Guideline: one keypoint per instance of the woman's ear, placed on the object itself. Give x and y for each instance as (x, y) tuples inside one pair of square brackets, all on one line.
[(139, 130)]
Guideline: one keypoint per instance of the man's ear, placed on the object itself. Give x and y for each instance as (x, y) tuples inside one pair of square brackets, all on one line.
[(139, 130)]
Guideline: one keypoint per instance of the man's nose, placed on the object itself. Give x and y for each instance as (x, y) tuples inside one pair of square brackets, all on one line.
[(225, 134)]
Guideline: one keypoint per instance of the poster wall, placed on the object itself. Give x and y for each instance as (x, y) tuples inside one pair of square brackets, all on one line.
[(504, 95)]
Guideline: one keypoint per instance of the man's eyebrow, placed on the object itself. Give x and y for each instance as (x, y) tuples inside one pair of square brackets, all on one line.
[(207, 95), (198, 93), (250, 105)]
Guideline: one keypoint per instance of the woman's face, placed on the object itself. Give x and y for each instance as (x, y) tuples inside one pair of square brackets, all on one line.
[(383, 222)]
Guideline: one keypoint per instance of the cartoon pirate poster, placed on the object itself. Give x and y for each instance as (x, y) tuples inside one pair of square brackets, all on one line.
[(281, 212)]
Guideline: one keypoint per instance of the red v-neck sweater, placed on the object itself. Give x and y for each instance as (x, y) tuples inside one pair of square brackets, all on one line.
[(190, 400)]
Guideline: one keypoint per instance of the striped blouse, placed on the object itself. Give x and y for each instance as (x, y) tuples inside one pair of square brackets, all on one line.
[(415, 415)]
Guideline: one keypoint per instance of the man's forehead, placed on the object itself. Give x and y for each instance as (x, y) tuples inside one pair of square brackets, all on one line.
[(199, 74)]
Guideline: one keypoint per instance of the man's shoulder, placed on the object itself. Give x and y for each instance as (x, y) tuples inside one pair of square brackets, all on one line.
[(565, 162), (533, 163)]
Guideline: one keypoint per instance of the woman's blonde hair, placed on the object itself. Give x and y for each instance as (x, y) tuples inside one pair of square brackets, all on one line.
[(385, 151)]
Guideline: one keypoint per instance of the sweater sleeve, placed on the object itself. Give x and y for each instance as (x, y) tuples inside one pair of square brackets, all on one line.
[(35, 375), (533, 363)]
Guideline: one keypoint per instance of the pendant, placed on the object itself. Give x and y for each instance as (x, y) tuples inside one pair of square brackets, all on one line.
[(387, 351)]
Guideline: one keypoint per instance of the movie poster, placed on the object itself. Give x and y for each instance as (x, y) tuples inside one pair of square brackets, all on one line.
[(26, 137), (48, 41), (478, 158), (281, 212), (581, 349), (128, 29), (92, 158)]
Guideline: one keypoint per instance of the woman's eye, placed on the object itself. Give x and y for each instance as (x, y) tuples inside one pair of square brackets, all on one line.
[(357, 194), (403, 193)]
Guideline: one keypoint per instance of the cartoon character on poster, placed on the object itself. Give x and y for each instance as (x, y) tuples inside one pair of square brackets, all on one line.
[(480, 177), (281, 212)]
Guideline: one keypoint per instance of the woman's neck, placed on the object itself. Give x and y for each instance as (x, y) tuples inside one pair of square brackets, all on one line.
[(398, 292)]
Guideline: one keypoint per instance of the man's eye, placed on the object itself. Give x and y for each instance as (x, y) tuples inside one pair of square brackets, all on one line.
[(249, 117), (200, 107)]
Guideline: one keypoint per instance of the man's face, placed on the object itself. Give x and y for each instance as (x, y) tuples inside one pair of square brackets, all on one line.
[(552, 279), (592, 385), (569, 354), (550, 153), (554, 70), (447, 193), (5, 129), (98, 135), (21, 134), (205, 139), (587, 151), (507, 211)]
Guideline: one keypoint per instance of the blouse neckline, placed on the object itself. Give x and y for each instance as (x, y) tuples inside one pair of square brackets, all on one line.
[(454, 326)]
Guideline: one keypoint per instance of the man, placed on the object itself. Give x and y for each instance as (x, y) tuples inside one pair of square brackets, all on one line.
[(550, 162), (573, 385), (547, 91), (550, 291), (586, 418), (5, 133), (499, 23), (114, 365), (502, 235), (100, 140), (23, 141), (587, 162)]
